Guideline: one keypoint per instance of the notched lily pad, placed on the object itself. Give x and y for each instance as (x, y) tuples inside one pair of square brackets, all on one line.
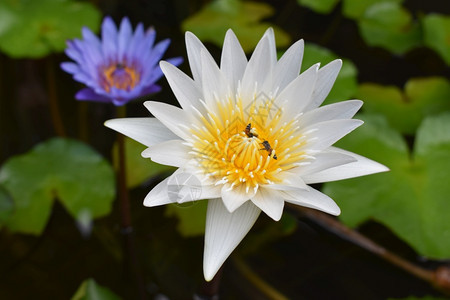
[(437, 34), (411, 199), (62, 169), (36, 28), (406, 109), (213, 20), (388, 25)]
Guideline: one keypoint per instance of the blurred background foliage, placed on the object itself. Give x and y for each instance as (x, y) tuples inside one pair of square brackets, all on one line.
[(59, 220)]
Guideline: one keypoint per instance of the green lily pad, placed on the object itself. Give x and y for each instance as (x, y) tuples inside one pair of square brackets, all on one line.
[(138, 169), (36, 28), (411, 199), (346, 83), (319, 6), (406, 110), (191, 217), (62, 169), (6, 205), (213, 20), (437, 34), (90, 290), (390, 26), (355, 9)]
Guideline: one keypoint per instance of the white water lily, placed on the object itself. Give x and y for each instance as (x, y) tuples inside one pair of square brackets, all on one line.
[(250, 135)]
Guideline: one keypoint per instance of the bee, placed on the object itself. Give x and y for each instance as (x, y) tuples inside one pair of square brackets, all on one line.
[(250, 132), (268, 148)]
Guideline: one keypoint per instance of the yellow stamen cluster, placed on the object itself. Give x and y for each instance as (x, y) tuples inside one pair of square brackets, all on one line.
[(228, 153), (119, 76)]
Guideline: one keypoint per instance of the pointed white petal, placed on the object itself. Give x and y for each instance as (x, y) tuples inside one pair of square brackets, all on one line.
[(185, 187), (233, 60), (270, 202), (147, 131), (214, 83), (289, 180), (172, 153), (184, 88), (270, 34), (224, 231), (296, 96), (288, 67), (360, 167), (323, 160), (340, 110), (313, 199), (236, 196), (194, 47), (259, 66), (173, 117), (159, 195), (322, 135), (325, 80)]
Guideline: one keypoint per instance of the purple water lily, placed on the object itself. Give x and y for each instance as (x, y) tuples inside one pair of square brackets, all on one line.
[(122, 66)]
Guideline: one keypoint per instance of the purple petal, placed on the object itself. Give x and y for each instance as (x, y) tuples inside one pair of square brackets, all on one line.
[(88, 94), (125, 34), (109, 39)]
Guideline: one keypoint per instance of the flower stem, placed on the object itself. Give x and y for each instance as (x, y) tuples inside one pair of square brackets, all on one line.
[(131, 263), (440, 278), (53, 99), (257, 281)]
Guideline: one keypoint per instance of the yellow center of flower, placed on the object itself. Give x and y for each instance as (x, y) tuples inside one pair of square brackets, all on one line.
[(247, 145), (119, 76)]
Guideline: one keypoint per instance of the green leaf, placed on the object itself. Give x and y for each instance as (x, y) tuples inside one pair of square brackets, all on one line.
[(36, 28), (346, 83), (214, 19), (355, 9), (6, 205), (411, 199), (406, 110), (437, 34), (319, 6), (388, 25), (90, 290), (191, 217), (64, 169), (138, 169)]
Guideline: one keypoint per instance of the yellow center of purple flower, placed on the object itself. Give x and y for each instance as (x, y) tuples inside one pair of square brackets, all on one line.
[(119, 76)]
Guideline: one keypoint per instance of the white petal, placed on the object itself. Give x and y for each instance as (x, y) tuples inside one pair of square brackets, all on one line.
[(233, 60), (322, 135), (184, 88), (173, 117), (313, 199), (159, 195), (340, 110), (296, 96), (289, 180), (214, 83), (323, 160), (171, 153), (270, 202), (148, 131), (325, 80), (258, 67), (236, 196), (194, 47), (224, 231), (288, 67), (185, 187), (360, 167), (270, 34)]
